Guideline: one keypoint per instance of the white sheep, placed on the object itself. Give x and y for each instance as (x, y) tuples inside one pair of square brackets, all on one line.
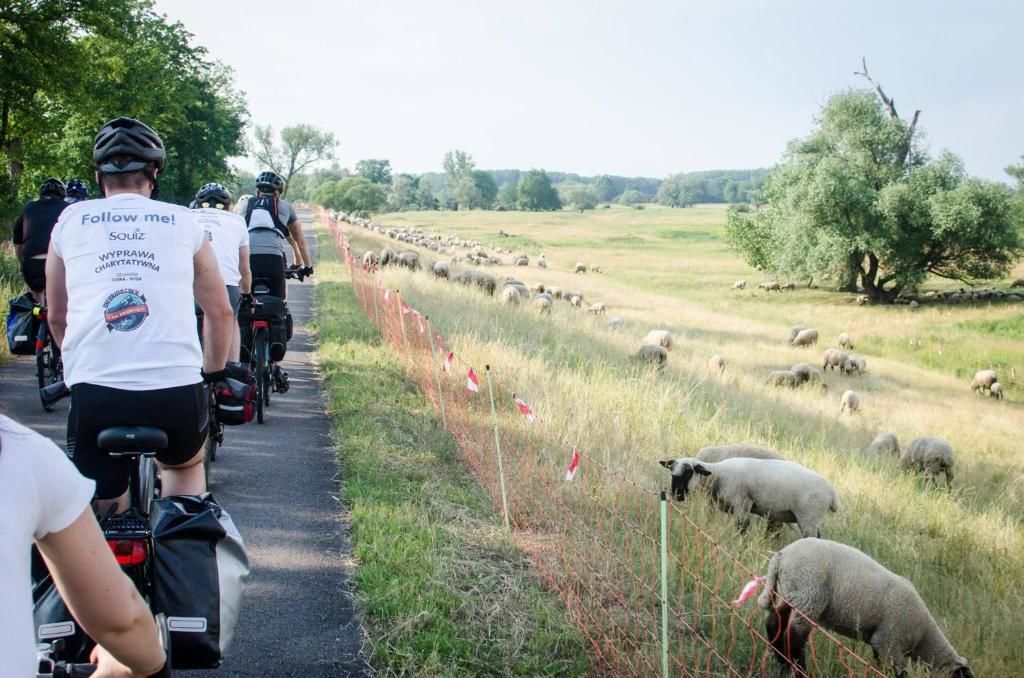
[(440, 269), (805, 337), (932, 456), (849, 403), (716, 364), (884, 445), (834, 358), (770, 285), (597, 307), (983, 380), (652, 354), (840, 588), (793, 331), (541, 304), (716, 453), (659, 338), (542, 262), (580, 267), (845, 341), (556, 292), (370, 259), (510, 295), (739, 284), (782, 378), (594, 268), (863, 300), (576, 300), (807, 374), (996, 390), (853, 364), (781, 491)]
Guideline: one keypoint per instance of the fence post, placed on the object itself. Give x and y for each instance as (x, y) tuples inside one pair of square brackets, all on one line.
[(437, 371), (497, 447), (664, 585)]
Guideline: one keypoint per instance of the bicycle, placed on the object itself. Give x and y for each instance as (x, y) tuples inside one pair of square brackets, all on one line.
[(48, 667), (49, 364), (269, 376)]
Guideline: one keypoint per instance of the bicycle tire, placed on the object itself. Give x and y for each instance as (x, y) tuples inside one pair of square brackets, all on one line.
[(260, 352), (147, 482), (45, 364)]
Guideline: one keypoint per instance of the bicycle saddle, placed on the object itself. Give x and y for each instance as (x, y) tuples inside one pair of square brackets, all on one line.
[(122, 439)]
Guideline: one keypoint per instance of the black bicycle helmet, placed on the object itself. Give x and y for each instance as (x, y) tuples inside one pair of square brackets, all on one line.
[(213, 195), (77, 189), (270, 181), (52, 187), (133, 143)]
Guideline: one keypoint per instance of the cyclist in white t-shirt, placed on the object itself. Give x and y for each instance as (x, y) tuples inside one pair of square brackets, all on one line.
[(121, 276), (45, 500), (229, 236)]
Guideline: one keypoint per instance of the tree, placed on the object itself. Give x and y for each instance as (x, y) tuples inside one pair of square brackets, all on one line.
[(355, 195), (301, 146), (377, 171), (466, 193), (605, 188), (405, 193), (486, 187), (508, 196), (857, 200), (631, 196), (535, 192), (579, 196), (457, 164)]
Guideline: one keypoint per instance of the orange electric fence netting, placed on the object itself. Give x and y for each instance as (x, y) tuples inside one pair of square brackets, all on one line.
[(596, 539)]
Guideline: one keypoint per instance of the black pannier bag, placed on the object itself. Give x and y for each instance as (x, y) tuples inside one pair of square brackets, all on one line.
[(199, 570), (22, 326), (275, 312), (53, 621)]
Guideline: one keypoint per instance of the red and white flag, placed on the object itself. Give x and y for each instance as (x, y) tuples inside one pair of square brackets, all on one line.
[(406, 309), (574, 464), (447, 365), (387, 295), (525, 409), (472, 382), (419, 321), (748, 591)]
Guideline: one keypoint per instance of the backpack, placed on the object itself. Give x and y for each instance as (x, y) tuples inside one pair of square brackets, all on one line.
[(261, 212)]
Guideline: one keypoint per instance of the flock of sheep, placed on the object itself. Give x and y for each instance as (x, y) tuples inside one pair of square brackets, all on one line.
[(913, 298), (830, 584)]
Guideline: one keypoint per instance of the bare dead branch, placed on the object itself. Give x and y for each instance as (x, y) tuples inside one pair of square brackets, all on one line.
[(889, 104)]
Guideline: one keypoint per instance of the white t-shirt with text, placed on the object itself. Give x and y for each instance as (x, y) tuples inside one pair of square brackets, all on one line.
[(40, 492), (227, 232), (131, 318)]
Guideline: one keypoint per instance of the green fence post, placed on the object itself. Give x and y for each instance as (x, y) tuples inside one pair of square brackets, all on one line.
[(437, 370), (664, 585), (497, 447)]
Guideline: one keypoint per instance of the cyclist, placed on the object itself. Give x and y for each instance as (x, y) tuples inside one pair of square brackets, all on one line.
[(31, 234), (272, 223), (227, 233), (121, 277), (77, 191), (44, 499)]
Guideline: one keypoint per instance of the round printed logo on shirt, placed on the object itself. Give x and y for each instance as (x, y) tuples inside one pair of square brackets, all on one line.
[(125, 310)]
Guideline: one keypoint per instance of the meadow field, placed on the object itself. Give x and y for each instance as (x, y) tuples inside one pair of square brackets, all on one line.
[(669, 268)]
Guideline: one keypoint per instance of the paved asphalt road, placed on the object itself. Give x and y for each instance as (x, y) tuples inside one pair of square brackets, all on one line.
[(279, 482)]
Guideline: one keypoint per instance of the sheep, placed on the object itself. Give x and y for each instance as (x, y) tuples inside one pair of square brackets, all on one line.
[(536, 288), (834, 358), (863, 300), (805, 338), (387, 256), (716, 364), (932, 456), (781, 491), (770, 285), (793, 331), (521, 260), (782, 378), (580, 267), (884, 444), (843, 589), (739, 285), (542, 262), (806, 374), (854, 363), (556, 292), (849, 403), (594, 268), (597, 307), (996, 390), (718, 453), (845, 341), (983, 380), (410, 260), (576, 300), (542, 304), (440, 269), (482, 280), (510, 295), (370, 259), (660, 338), (569, 294), (787, 286), (1019, 282), (652, 354), (615, 322)]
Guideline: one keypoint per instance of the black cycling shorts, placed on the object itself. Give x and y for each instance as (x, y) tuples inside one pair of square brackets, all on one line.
[(182, 411), (34, 273), (270, 269)]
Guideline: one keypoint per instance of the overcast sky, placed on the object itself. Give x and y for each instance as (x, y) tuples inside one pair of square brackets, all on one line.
[(635, 87)]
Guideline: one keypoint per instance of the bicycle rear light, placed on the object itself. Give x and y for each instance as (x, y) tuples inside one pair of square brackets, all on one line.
[(261, 324), (128, 551)]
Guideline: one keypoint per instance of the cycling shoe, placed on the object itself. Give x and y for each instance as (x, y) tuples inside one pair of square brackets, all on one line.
[(280, 379)]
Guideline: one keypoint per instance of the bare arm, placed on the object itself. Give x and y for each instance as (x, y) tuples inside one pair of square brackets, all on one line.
[(18, 237), (56, 297), (300, 240), (296, 254), (101, 597), (245, 284), (208, 289)]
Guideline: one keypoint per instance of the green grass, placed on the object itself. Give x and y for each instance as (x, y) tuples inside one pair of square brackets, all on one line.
[(11, 285), (444, 589)]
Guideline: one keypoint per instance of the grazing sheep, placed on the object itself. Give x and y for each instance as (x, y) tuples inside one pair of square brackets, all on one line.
[(805, 338), (716, 364), (914, 303), (556, 292), (542, 262), (482, 280), (806, 374), (410, 260), (932, 456), (542, 304), (569, 294), (781, 491), (597, 307), (440, 269), (782, 378), (787, 286), (659, 338), (370, 259), (615, 322), (576, 300), (387, 256), (834, 358), (793, 331), (580, 267), (850, 403), (652, 354), (863, 300), (845, 341), (717, 453), (536, 288), (510, 295), (884, 445), (1019, 282), (843, 589), (996, 390), (521, 260), (983, 380), (594, 268), (739, 284), (770, 285), (854, 364)]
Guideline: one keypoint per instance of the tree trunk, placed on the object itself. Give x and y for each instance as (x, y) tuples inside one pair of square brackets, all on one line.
[(872, 287), (853, 269)]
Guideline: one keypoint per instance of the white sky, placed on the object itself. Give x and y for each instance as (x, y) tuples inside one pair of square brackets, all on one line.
[(633, 87)]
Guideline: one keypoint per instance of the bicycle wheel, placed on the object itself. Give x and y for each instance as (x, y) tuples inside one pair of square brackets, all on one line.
[(48, 369), (260, 352), (147, 482)]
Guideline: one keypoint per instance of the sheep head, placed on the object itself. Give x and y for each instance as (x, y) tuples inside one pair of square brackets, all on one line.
[(682, 473)]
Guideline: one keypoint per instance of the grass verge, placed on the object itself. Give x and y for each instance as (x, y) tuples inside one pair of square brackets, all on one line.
[(11, 285), (444, 590)]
